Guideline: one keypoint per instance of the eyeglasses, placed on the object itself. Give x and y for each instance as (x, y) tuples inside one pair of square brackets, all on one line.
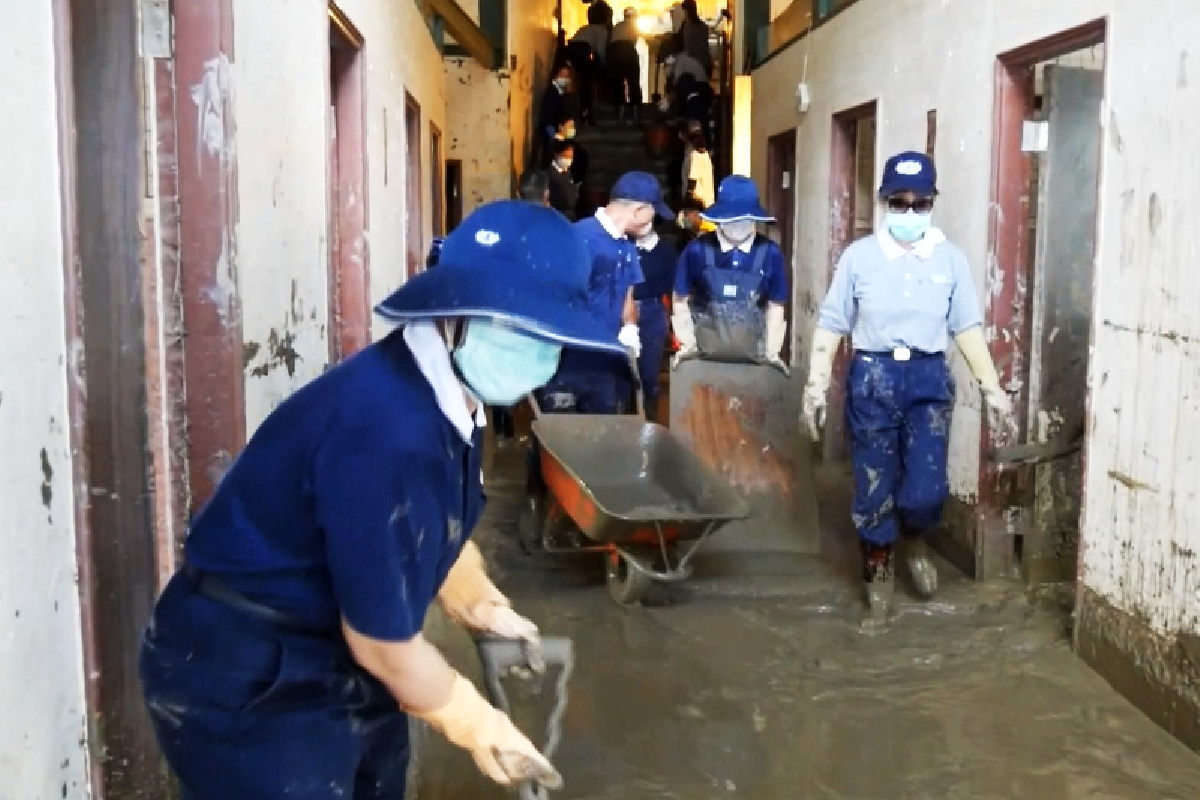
[(922, 205)]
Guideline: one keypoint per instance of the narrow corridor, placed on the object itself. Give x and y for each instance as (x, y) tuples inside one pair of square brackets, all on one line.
[(755, 681)]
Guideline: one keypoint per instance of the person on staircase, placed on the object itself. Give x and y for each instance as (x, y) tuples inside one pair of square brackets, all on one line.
[(653, 296), (564, 194), (286, 655), (693, 96), (901, 294), (692, 37), (567, 131), (556, 106), (586, 50), (731, 286), (625, 69)]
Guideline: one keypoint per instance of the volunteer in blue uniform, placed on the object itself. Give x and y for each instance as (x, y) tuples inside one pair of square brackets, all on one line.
[(283, 659), (591, 382), (731, 285), (658, 259), (901, 294)]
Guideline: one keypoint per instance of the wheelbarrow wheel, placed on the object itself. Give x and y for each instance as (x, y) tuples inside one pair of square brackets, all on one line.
[(627, 584), (531, 523)]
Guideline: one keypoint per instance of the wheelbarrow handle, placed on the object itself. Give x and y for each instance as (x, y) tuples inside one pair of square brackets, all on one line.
[(637, 383)]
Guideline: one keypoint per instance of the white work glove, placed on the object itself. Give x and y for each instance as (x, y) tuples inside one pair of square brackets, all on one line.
[(776, 332), (631, 338), (500, 751), (816, 390), (685, 332), (999, 407)]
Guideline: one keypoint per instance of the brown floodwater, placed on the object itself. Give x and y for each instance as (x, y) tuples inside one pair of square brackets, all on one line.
[(754, 679)]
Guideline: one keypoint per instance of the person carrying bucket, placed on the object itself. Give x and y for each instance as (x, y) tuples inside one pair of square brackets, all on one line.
[(900, 294), (731, 285), (284, 657)]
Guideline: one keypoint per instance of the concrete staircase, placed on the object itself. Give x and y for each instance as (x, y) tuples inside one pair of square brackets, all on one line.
[(615, 149)]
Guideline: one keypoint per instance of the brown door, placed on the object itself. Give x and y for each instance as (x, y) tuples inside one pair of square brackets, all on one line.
[(781, 193), (412, 195)]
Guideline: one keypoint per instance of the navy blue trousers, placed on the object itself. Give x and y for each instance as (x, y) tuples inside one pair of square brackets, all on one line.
[(247, 711), (898, 415), (653, 327)]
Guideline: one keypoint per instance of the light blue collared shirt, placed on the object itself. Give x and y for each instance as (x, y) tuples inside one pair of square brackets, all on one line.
[(888, 297)]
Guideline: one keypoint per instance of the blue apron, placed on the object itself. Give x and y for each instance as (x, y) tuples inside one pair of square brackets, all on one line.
[(731, 324)]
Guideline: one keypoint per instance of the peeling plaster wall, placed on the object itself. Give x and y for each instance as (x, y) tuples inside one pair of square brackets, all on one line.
[(281, 80), (43, 734), (401, 56), (478, 134), (531, 39), (1141, 521)]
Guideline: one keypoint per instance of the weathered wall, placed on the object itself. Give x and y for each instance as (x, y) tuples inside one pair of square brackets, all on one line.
[(1141, 536), (531, 42), (43, 734), (478, 132), (281, 78)]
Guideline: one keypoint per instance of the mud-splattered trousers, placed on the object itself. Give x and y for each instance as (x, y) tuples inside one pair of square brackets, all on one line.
[(898, 416), (245, 710)]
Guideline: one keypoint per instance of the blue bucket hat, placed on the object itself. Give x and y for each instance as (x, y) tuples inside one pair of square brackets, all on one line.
[(909, 171), (641, 187), (515, 262), (737, 198)]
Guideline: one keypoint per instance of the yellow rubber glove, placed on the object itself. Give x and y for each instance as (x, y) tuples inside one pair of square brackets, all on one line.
[(975, 350), (501, 751), (472, 600), (820, 371), (685, 331)]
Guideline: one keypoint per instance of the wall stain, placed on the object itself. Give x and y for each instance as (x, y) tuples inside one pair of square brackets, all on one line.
[(249, 351), (1155, 214), (1182, 81), (47, 478), (1130, 483), (281, 352)]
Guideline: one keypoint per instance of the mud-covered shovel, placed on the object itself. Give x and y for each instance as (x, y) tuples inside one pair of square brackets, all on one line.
[(506, 657)]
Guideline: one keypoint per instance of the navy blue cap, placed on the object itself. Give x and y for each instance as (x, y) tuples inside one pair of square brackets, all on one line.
[(641, 187), (737, 198), (909, 171), (516, 262)]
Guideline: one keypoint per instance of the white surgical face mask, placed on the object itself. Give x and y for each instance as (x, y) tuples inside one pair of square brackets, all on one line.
[(501, 365), (737, 231)]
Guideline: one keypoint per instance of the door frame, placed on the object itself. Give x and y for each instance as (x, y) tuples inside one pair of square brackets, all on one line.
[(781, 149), (1007, 312), (843, 175), (413, 196)]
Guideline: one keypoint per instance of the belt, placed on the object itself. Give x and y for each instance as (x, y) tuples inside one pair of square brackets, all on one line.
[(217, 590), (900, 354)]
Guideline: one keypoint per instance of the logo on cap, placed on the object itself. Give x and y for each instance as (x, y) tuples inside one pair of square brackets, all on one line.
[(487, 238), (909, 168)]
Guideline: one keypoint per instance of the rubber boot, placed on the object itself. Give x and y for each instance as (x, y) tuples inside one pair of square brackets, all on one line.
[(879, 575), (921, 567)]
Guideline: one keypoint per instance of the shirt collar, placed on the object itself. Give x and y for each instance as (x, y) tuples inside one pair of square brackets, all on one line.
[(923, 248), (428, 347), (648, 242), (727, 245), (608, 225)]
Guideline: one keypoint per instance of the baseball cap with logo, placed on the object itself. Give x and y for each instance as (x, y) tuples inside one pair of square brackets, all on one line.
[(909, 171)]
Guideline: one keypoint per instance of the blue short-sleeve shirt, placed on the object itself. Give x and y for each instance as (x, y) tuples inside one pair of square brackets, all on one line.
[(616, 267), (692, 263), (888, 297), (353, 498)]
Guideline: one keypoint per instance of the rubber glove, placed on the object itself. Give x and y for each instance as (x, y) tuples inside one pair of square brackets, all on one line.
[(975, 350), (501, 751), (472, 600), (630, 337), (685, 331), (820, 371), (776, 331)]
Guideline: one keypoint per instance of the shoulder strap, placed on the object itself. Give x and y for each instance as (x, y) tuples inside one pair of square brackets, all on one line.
[(708, 242), (761, 246)]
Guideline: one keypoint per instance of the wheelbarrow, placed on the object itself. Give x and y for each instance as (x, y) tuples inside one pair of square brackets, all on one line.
[(629, 490)]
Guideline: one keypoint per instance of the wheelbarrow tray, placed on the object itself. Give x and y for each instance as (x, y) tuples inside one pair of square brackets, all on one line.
[(623, 480)]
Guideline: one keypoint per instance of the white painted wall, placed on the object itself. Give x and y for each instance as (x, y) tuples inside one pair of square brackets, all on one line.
[(1141, 527), (478, 130), (281, 81), (42, 750)]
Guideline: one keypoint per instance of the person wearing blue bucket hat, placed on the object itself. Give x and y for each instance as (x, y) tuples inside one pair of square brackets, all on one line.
[(900, 294), (731, 285), (285, 656)]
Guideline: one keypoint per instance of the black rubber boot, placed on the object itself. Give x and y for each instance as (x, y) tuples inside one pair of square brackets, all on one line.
[(879, 576), (921, 567)]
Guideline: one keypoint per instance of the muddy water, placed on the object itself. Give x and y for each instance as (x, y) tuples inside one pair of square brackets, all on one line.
[(754, 680)]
